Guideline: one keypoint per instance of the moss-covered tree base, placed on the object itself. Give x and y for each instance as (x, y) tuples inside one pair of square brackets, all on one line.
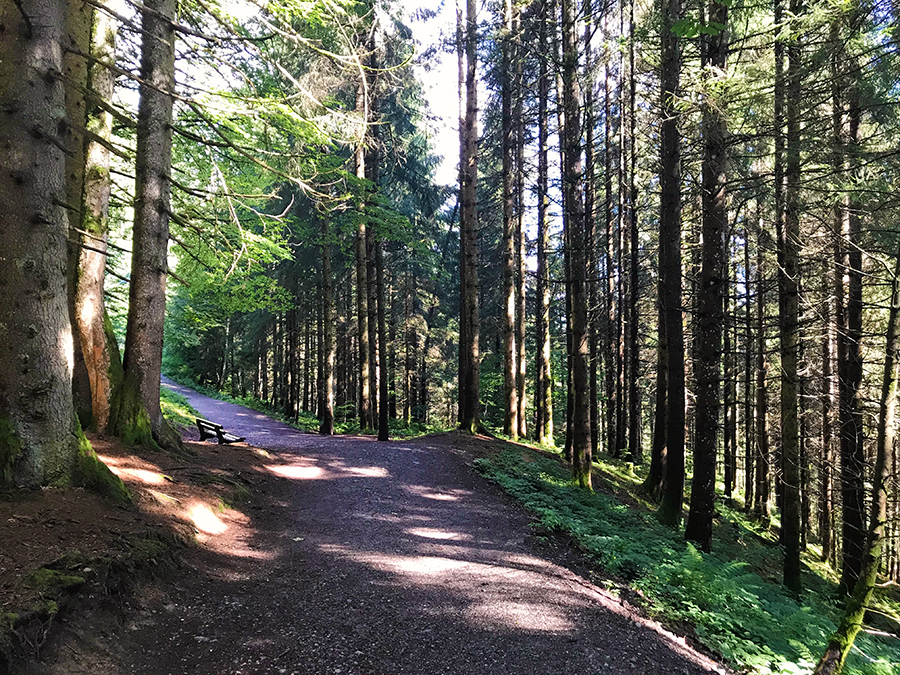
[(128, 419), (94, 475)]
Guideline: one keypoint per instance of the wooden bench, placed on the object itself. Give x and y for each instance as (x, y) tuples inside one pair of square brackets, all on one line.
[(212, 430)]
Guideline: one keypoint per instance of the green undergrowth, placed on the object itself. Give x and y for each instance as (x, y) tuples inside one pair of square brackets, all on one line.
[(306, 421), (731, 596), (176, 409)]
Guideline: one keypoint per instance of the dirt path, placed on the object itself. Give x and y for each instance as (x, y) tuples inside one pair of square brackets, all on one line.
[(383, 558)]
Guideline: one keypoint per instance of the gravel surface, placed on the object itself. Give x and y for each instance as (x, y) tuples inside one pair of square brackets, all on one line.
[(394, 558)]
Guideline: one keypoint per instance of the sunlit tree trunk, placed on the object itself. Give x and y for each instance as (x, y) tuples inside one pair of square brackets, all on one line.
[(748, 370), (37, 419), (98, 343), (136, 416), (77, 45), (521, 235)]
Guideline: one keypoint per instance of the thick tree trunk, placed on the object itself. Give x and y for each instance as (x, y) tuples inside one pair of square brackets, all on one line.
[(362, 308), (77, 43), (97, 342), (136, 416), (609, 319), (574, 221), (38, 439), (850, 364), (670, 508), (590, 207), (789, 324), (711, 314)]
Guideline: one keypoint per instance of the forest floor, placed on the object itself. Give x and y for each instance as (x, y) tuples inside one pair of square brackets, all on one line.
[(306, 555)]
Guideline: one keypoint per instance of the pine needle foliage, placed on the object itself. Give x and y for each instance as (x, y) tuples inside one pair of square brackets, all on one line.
[(735, 611)]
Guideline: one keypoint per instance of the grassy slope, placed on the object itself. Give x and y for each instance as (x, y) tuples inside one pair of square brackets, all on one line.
[(732, 597)]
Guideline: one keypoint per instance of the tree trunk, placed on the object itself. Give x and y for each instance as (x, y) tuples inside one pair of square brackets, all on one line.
[(510, 369), (326, 426), (826, 494), (761, 503), (635, 451), (590, 202), (77, 43), (544, 379), (850, 365), (789, 325), (98, 345), (839, 644), (136, 416), (710, 303), (38, 438), (574, 222), (521, 235), (748, 373), (383, 390), (469, 363), (362, 303), (670, 508)]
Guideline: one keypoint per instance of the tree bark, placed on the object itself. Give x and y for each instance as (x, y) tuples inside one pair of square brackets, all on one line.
[(38, 438), (544, 379), (98, 345), (136, 416), (840, 643), (326, 426), (510, 368), (670, 509), (711, 308), (77, 44), (789, 325), (575, 223), (383, 389), (469, 364)]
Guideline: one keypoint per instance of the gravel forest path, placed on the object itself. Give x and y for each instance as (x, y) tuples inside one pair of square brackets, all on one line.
[(385, 558)]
